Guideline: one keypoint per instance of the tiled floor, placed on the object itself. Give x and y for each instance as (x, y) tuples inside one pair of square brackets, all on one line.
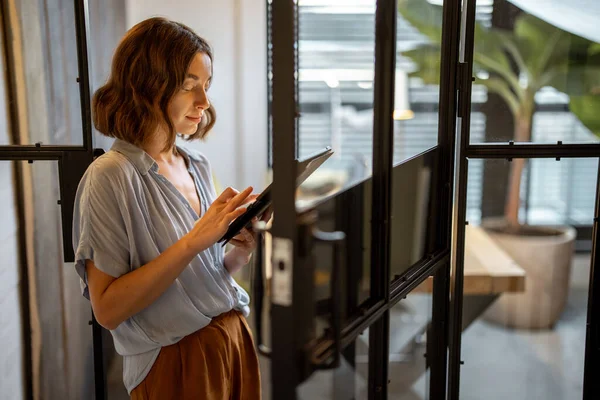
[(521, 365), (499, 363)]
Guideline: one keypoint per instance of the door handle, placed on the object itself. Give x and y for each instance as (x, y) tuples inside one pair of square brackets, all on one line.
[(338, 240), (258, 286)]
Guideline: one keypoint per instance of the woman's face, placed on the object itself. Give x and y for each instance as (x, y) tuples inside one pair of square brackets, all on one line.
[(190, 101)]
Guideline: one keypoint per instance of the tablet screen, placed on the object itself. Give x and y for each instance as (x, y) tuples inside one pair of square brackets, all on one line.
[(304, 169)]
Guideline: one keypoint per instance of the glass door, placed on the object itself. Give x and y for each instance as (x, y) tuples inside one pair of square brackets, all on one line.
[(356, 278)]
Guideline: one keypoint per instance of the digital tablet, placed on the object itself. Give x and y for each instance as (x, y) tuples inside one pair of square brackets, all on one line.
[(304, 168)]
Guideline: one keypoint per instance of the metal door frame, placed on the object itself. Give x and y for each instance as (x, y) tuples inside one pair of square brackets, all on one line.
[(290, 359), (72, 163), (465, 150), (455, 149)]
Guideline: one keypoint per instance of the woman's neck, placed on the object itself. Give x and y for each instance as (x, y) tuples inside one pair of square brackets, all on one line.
[(156, 150)]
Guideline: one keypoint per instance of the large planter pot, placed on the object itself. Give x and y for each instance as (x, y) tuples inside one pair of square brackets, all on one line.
[(545, 253)]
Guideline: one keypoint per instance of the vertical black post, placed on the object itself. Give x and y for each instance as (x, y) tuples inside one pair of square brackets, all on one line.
[(383, 147), (465, 72), (591, 383), (349, 219), (284, 368), (71, 167), (99, 376), (81, 27), (437, 351), (437, 338), (447, 113)]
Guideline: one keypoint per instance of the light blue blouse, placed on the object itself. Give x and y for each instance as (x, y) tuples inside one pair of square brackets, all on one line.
[(125, 215)]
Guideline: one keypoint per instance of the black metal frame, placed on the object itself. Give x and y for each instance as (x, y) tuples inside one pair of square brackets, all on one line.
[(72, 163), (464, 73), (531, 150), (285, 360), (455, 101), (383, 147), (591, 384), (509, 151), (449, 84), (288, 368)]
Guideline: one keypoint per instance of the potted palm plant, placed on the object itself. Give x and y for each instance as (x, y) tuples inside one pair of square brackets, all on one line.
[(516, 65)]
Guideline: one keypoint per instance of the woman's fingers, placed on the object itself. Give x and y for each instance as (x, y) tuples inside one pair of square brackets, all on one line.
[(235, 213), (226, 195), (251, 198), (237, 200)]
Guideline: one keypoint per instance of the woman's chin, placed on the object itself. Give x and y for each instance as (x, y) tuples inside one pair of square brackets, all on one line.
[(188, 132)]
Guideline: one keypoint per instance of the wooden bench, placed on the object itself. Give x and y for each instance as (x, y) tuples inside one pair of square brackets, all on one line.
[(488, 269)]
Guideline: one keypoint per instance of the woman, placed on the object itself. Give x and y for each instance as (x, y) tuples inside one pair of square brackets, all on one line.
[(147, 220)]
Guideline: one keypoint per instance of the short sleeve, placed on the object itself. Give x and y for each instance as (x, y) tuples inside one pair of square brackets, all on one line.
[(99, 228)]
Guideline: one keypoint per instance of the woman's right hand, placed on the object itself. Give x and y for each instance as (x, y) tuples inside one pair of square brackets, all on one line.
[(215, 222)]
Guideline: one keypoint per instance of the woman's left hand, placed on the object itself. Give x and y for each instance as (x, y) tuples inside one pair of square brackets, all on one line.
[(244, 242), (240, 255)]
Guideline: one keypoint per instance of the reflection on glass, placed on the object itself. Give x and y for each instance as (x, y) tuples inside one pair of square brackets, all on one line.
[(416, 99), (347, 382), (336, 71), (412, 194), (336, 53), (551, 192), (349, 211), (537, 70), (408, 373), (561, 192), (525, 292)]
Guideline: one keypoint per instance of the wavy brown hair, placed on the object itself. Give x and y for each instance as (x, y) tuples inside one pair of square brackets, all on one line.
[(148, 68)]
